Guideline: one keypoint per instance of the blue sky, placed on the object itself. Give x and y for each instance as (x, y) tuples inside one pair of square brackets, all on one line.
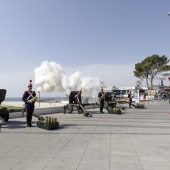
[(101, 38)]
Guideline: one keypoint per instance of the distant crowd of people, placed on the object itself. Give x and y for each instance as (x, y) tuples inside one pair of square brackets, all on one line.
[(162, 96)]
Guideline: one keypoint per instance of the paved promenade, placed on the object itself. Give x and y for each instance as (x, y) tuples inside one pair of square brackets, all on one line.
[(138, 139)]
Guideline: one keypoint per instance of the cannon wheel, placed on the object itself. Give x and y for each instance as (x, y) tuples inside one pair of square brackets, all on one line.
[(5, 117), (69, 108)]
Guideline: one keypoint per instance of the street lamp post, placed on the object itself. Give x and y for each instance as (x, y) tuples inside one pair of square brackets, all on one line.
[(168, 13), (137, 95)]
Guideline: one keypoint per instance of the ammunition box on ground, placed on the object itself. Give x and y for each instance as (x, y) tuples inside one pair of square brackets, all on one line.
[(47, 126)]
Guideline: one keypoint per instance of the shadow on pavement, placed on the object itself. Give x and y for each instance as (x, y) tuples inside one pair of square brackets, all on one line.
[(13, 124)]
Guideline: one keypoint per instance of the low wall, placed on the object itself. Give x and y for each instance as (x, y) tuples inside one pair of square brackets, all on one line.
[(45, 111), (38, 111)]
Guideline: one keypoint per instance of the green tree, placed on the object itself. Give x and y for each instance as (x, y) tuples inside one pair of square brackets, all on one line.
[(139, 83), (150, 67)]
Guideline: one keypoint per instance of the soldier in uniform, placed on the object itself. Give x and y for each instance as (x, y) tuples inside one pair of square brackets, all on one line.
[(101, 100), (29, 105), (114, 98), (129, 94), (130, 102), (80, 106), (78, 97)]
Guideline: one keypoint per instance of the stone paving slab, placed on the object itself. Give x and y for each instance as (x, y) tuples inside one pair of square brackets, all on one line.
[(137, 139)]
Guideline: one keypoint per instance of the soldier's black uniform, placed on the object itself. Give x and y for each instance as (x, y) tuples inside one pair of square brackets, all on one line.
[(29, 107), (130, 102), (101, 99), (78, 97)]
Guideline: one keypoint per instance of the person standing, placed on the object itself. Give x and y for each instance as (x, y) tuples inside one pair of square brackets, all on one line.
[(129, 95), (155, 96), (29, 104), (130, 102), (80, 106), (78, 97), (164, 96), (101, 100), (114, 99), (144, 96)]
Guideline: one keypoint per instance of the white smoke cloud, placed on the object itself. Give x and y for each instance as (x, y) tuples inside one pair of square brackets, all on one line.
[(119, 75), (50, 77), (73, 81)]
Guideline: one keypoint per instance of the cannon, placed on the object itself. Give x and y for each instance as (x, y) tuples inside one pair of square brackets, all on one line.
[(4, 112), (110, 104), (68, 108)]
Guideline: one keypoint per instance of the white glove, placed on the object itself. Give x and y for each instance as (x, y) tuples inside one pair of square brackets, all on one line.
[(29, 101)]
